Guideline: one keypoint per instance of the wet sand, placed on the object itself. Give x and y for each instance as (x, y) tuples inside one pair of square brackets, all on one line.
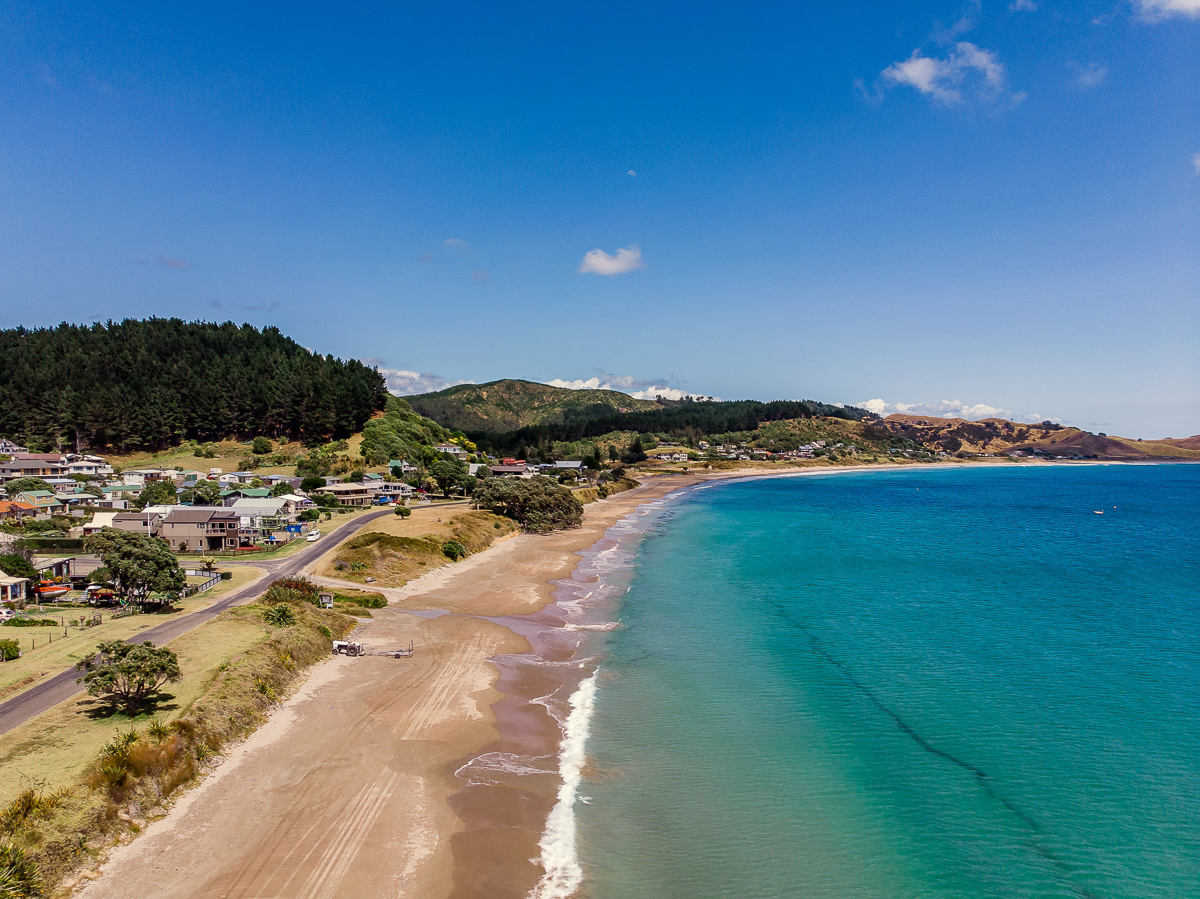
[(350, 788)]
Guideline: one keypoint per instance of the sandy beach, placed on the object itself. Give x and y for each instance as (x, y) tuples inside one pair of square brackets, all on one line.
[(350, 788)]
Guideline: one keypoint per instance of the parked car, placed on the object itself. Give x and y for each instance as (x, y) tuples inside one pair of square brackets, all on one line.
[(313, 536), (6, 613)]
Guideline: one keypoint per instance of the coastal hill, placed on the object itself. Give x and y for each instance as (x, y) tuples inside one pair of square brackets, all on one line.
[(147, 385), (498, 407), (998, 435)]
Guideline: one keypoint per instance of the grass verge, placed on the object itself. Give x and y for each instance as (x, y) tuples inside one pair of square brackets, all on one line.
[(79, 777)]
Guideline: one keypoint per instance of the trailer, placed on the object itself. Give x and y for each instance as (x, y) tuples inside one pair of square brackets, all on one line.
[(355, 649)]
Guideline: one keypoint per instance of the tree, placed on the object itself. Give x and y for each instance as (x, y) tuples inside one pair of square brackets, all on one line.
[(447, 473), (635, 453), (23, 485), (156, 493), (538, 504), (403, 511), (281, 489), (94, 490), (260, 446), (324, 499), (613, 455), (483, 472), (128, 672), (356, 475), (311, 483), (206, 493), (138, 565), (16, 565)]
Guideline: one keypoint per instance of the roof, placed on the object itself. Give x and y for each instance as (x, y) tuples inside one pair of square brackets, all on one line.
[(13, 505), (257, 505), (568, 464), (199, 516), (33, 463), (342, 488), (12, 581), (102, 520), (40, 494), (507, 468)]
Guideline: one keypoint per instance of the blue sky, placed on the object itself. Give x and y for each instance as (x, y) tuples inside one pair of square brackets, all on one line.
[(960, 207)]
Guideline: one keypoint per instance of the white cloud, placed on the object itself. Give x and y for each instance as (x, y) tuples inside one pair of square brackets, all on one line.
[(944, 409), (1092, 76), (406, 383), (631, 172), (455, 243), (1017, 5), (637, 388), (1157, 10), (967, 72), (1196, 162), (601, 263)]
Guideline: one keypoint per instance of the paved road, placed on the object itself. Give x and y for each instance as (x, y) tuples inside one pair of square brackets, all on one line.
[(62, 686)]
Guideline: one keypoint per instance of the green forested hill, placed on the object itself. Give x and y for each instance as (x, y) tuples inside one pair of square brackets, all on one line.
[(502, 406), (149, 384)]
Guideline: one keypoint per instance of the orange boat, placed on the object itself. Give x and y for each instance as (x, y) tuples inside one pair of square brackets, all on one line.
[(51, 590)]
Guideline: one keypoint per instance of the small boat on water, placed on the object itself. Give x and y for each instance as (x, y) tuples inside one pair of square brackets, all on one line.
[(51, 590)]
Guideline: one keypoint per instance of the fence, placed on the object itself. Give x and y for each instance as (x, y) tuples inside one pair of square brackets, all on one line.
[(193, 589)]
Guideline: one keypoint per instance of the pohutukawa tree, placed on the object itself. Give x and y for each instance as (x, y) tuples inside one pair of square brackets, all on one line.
[(128, 673)]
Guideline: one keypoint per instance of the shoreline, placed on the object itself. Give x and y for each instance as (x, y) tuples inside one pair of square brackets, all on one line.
[(373, 790)]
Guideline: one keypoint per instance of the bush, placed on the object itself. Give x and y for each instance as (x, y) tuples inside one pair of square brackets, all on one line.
[(539, 505), (19, 877), (280, 615), (9, 650), (403, 511), (454, 550), (31, 622), (226, 575), (291, 589), (260, 446)]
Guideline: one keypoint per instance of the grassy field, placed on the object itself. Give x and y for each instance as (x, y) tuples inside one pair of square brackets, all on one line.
[(54, 651), (57, 746)]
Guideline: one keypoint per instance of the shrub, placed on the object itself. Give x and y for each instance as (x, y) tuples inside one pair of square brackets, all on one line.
[(9, 650), (539, 505), (31, 622), (19, 877), (280, 615), (260, 446), (291, 589), (454, 550), (403, 511)]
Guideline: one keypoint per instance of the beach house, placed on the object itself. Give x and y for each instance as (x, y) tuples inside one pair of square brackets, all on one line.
[(201, 530)]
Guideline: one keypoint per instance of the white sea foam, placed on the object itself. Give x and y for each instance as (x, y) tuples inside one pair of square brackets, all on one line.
[(604, 626), (492, 767), (560, 859)]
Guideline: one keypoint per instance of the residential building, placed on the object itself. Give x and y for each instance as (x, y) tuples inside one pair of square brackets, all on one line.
[(99, 520), (454, 450), (144, 522), (205, 529), (30, 468), (352, 494), (11, 510), (511, 469), (394, 490), (92, 466), (8, 448), (404, 467), (13, 589), (229, 497), (262, 517), (44, 501)]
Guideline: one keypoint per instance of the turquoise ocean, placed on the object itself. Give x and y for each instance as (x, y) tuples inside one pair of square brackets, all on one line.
[(926, 683)]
